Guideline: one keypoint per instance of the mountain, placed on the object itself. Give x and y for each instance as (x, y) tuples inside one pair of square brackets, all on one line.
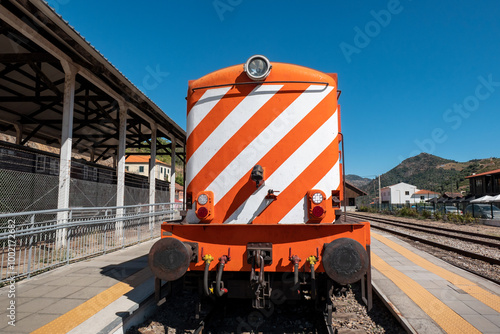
[(429, 172), (357, 181)]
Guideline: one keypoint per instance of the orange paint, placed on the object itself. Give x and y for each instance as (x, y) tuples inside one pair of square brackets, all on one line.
[(303, 240)]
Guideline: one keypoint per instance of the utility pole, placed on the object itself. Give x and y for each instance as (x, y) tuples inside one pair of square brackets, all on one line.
[(379, 194)]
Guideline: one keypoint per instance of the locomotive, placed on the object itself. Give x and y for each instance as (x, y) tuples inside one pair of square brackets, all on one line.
[(264, 189)]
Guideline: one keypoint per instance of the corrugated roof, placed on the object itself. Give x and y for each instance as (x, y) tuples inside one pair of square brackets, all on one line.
[(496, 171), (44, 2), (452, 195), (59, 21), (359, 191)]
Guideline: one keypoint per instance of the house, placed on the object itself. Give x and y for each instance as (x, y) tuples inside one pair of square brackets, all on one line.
[(423, 195), (139, 164), (487, 183), (179, 193), (351, 193), (400, 193)]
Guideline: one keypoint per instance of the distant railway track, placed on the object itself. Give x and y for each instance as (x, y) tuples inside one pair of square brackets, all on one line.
[(464, 243), (415, 226)]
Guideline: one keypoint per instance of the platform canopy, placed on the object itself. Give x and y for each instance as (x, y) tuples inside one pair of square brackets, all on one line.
[(37, 50)]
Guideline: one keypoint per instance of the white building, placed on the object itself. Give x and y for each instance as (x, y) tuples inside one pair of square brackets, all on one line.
[(139, 164), (422, 195), (400, 193)]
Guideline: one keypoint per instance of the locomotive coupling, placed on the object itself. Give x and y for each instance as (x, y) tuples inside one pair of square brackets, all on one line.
[(345, 260), (219, 288), (169, 258), (295, 259)]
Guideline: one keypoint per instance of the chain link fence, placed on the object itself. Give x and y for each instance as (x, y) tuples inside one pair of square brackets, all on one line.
[(32, 242), (29, 181)]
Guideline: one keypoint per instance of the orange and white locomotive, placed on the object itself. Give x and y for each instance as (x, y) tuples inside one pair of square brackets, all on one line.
[(264, 186)]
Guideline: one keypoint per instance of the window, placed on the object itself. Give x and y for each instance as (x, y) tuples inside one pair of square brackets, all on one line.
[(407, 193), (54, 166), (141, 169), (94, 174), (422, 197), (40, 163), (85, 172), (126, 168)]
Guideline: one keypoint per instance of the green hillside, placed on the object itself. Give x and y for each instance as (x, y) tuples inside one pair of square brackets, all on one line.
[(429, 172)]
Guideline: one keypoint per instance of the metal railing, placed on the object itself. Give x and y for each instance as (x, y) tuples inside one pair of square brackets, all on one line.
[(31, 242)]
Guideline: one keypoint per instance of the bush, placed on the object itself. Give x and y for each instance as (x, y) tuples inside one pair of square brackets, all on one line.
[(469, 219), (426, 214), (367, 209), (455, 218), (407, 212)]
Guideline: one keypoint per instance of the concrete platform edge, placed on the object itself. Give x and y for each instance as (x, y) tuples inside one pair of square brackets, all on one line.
[(393, 309), (130, 313), (137, 316)]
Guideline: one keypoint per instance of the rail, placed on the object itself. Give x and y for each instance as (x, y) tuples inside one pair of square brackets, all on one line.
[(35, 241)]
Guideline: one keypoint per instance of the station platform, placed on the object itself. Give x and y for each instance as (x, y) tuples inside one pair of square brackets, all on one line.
[(91, 296), (429, 295), (97, 295)]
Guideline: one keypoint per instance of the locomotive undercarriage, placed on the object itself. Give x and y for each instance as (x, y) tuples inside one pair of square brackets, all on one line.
[(276, 290), (219, 262)]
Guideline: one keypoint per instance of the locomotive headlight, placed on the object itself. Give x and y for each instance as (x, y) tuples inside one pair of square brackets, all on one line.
[(203, 199), (317, 198), (257, 67), (316, 205), (205, 206)]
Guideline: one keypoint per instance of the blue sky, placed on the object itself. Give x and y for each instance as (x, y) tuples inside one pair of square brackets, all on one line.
[(415, 75)]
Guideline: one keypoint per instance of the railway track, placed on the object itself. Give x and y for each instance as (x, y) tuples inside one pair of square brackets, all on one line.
[(469, 245), (348, 316), (233, 316), (463, 235)]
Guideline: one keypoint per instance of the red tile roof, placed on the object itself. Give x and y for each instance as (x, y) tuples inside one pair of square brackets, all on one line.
[(142, 159), (496, 171), (425, 192)]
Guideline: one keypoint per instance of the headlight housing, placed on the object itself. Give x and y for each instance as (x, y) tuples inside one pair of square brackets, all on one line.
[(316, 205), (202, 199), (257, 67), (317, 198), (205, 206)]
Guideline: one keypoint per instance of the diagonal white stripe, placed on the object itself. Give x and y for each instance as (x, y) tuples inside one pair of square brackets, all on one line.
[(329, 182), (268, 138), (203, 107), (228, 127), (288, 171)]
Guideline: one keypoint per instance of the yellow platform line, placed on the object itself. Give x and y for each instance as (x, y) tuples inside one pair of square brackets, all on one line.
[(466, 285), (81, 313), (444, 316)]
